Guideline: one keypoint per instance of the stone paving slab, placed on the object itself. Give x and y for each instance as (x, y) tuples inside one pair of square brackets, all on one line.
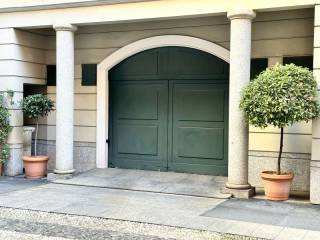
[(106, 202), (9, 184), (151, 181), (293, 215)]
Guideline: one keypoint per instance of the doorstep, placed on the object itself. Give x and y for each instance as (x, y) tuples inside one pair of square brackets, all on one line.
[(150, 181)]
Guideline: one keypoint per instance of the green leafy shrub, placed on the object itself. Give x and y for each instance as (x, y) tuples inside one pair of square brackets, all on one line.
[(4, 130), (36, 106), (280, 96)]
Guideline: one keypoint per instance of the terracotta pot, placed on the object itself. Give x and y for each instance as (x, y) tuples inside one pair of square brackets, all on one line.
[(277, 187), (35, 166)]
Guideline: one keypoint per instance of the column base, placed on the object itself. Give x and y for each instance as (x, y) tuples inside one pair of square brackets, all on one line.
[(14, 166), (314, 183), (51, 177), (57, 171), (240, 193), (238, 186)]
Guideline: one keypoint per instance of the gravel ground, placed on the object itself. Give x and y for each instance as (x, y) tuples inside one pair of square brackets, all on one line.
[(26, 224)]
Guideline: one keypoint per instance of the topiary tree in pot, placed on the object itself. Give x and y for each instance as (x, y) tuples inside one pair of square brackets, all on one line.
[(34, 107), (279, 97), (4, 132)]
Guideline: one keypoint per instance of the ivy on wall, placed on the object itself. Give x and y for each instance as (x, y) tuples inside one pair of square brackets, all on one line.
[(4, 129)]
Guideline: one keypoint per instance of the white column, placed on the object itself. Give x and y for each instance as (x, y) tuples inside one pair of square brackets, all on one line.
[(240, 55), (64, 98), (315, 153)]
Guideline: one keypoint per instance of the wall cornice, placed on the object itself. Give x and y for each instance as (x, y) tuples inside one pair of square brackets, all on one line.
[(22, 7)]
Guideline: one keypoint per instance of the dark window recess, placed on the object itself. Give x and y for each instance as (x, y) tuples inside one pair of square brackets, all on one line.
[(257, 66), (89, 75), (303, 61), (51, 75)]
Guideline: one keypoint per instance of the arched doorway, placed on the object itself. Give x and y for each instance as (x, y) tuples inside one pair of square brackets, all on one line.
[(125, 52), (168, 110)]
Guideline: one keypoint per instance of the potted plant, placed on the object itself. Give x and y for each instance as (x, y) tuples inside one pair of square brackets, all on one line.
[(4, 133), (34, 107), (280, 96)]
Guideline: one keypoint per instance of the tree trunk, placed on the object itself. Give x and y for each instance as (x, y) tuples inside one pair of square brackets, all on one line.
[(36, 139), (280, 152)]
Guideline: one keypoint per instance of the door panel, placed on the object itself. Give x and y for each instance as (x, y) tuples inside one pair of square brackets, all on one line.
[(199, 129), (139, 124), (199, 103), (200, 142), (137, 102), (135, 139)]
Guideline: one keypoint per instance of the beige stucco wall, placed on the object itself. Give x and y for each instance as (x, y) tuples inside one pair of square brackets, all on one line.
[(22, 60), (288, 33), (275, 34)]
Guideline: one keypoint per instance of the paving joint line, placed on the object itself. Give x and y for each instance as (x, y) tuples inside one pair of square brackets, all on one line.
[(137, 190)]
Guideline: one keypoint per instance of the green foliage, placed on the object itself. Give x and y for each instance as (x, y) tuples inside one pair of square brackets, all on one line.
[(37, 105), (4, 130), (280, 96)]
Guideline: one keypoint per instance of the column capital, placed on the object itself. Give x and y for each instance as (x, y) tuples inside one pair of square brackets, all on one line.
[(64, 27), (241, 14)]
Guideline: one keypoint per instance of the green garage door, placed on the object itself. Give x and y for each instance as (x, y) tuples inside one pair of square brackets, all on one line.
[(168, 111)]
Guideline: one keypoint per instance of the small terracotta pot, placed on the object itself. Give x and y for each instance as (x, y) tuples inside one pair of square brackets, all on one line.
[(277, 187), (35, 166)]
